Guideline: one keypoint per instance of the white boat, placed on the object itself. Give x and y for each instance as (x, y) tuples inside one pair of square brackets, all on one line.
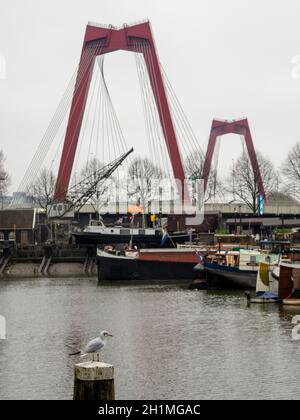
[(266, 284)]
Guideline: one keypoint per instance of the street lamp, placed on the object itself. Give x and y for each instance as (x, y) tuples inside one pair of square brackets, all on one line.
[(282, 227), (2, 179), (235, 222), (240, 210)]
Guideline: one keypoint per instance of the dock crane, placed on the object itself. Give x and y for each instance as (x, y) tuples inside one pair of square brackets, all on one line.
[(80, 193)]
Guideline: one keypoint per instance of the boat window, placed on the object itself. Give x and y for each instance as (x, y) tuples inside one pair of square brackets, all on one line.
[(230, 260), (157, 232), (253, 258), (124, 232), (12, 236), (142, 231)]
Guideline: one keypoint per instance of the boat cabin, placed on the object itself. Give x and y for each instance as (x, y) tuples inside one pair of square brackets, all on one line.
[(289, 281), (97, 226), (244, 259)]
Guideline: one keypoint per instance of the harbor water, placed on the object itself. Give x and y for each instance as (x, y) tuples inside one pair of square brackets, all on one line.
[(169, 342)]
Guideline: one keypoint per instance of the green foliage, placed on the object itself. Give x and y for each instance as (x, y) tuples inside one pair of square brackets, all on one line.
[(222, 231), (282, 230)]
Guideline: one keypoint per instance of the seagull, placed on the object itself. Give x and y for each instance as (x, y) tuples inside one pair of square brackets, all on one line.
[(94, 346)]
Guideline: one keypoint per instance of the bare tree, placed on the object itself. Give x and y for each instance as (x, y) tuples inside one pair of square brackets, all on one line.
[(193, 169), (42, 191), (291, 170), (4, 177), (245, 179), (144, 179), (90, 174)]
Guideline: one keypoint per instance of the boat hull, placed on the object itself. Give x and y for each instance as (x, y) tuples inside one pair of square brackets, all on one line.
[(264, 300), (91, 238), (111, 267), (231, 277), (291, 301)]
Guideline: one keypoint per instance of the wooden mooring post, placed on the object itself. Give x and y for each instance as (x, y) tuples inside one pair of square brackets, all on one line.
[(94, 381)]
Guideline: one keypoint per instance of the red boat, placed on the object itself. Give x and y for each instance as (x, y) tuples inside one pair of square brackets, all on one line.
[(148, 264)]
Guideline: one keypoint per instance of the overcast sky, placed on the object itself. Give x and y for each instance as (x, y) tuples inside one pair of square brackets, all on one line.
[(225, 59)]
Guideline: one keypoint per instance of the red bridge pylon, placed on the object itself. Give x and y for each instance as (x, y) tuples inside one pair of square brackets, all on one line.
[(100, 40), (241, 127)]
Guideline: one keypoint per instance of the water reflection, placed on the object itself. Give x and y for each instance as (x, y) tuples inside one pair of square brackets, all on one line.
[(169, 342)]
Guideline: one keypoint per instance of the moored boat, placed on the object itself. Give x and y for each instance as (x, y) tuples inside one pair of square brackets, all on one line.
[(236, 269), (148, 264), (96, 233), (266, 285)]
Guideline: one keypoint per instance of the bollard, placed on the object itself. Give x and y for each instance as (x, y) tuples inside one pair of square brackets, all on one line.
[(94, 381)]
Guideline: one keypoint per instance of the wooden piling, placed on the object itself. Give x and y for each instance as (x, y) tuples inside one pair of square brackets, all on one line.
[(94, 381)]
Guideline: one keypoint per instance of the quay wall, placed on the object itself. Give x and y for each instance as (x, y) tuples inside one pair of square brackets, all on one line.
[(19, 269)]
